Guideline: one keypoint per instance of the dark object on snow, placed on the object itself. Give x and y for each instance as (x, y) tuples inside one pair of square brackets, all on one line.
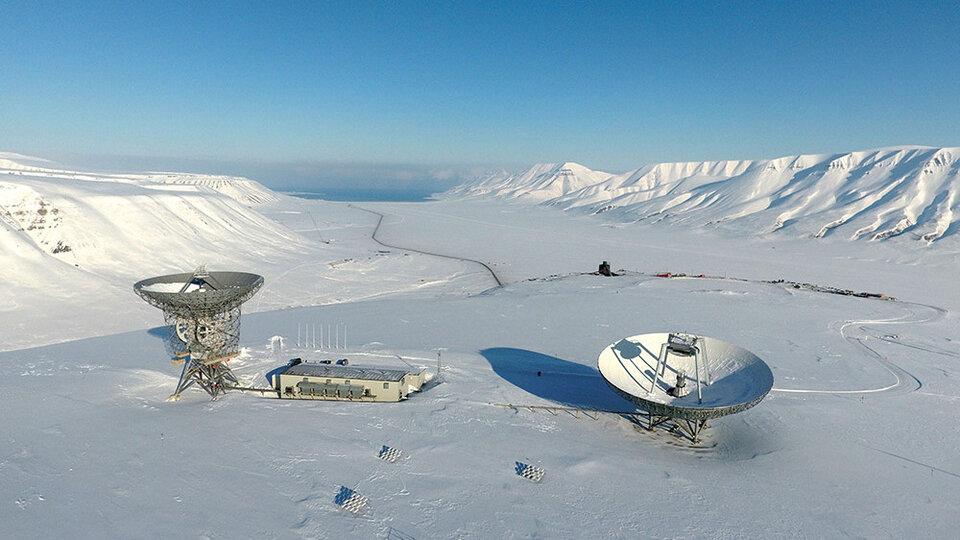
[(325, 361), (604, 269), (295, 361), (343, 362)]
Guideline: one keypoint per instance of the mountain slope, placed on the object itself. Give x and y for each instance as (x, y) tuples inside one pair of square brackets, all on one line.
[(243, 190), (128, 224), (543, 182), (909, 192)]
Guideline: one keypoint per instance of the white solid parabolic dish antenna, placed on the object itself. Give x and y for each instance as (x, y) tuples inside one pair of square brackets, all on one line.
[(683, 376)]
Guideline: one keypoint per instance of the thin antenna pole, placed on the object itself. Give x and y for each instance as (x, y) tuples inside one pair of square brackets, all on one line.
[(706, 361), (661, 361), (696, 367), (344, 335), (321, 336), (328, 337), (338, 335)]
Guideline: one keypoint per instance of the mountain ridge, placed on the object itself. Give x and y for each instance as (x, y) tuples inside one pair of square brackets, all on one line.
[(901, 191), (243, 190), (107, 220)]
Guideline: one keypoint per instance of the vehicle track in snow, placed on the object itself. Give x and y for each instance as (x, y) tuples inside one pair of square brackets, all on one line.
[(903, 380)]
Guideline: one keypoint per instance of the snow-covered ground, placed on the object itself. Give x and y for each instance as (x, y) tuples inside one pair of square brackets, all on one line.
[(857, 438)]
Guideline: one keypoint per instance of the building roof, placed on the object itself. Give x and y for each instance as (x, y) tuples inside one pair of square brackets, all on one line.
[(347, 372)]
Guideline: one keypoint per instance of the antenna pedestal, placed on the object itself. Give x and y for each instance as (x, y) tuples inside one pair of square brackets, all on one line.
[(213, 377)]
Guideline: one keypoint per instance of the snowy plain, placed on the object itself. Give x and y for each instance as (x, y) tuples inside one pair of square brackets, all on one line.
[(858, 437)]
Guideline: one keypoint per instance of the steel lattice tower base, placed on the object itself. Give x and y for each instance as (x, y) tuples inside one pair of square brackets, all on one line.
[(214, 378)]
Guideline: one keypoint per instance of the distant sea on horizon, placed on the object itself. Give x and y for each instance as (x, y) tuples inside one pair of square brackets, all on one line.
[(366, 195)]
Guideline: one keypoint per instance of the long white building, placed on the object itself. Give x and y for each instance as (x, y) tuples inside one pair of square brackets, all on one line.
[(347, 383)]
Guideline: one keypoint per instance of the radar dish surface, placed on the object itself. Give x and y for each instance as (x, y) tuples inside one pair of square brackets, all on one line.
[(685, 377), (198, 293)]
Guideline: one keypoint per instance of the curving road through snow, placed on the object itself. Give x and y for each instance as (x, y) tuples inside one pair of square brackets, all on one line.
[(376, 230)]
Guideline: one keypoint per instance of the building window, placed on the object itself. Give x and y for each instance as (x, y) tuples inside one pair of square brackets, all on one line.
[(386, 385), (346, 383)]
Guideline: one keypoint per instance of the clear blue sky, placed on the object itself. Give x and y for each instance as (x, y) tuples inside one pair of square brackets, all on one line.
[(288, 91)]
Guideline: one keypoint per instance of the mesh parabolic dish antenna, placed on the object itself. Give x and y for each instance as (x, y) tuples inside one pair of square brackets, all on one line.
[(685, 378), (202, 310)]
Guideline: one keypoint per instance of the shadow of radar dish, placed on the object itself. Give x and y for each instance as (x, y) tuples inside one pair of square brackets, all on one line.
[(202, 312), (685, 378)]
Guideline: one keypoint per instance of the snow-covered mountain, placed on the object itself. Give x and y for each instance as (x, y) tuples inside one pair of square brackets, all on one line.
[(543, 182), (909, 192), (102, 221), (243, 190)]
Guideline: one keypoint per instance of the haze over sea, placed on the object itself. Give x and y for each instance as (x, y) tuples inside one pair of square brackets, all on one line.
[(360, 195)]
